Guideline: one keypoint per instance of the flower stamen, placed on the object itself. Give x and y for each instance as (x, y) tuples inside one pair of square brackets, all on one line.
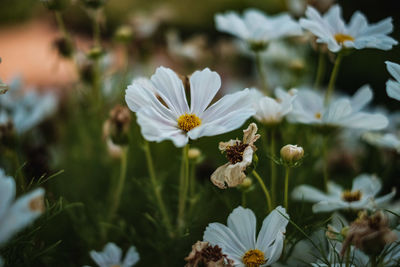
[(318, 115), (187, 122), (253, 258), (351, 196), (234, 153), (341, 38)]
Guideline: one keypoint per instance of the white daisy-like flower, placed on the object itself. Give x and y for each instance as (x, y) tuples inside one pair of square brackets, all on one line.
[(19, 213), (272, 110), (238, 239), (361, 196), (257, 28), (393, 87), (111, 256), (25, 109), (309, 108), (164, 114), (332, 30)]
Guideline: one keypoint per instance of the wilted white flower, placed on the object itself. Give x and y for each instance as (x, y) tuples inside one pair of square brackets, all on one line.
[(164, 114), (309, 108), (333, 31), (272, 110), (361, 196), (393, 87), (19, 213), (238, 239), (257, 28), (240, 156), (111, 256), (25, 109)]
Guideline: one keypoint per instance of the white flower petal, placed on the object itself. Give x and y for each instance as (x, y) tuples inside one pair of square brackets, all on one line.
[(242, 222), (310, 194), (384, 200), (365, 121), (7, 192), (219, 234), (232, 23), (137, 95), (361, 98), (131, 258), (20, 215), (328, 206), (393, 89), (393, 69), (358, 23), (369, 185), (269, 238), (171, 90), (204, 85)]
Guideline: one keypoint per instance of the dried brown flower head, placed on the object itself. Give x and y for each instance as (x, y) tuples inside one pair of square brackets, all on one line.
[(369, 233), (204, 254)]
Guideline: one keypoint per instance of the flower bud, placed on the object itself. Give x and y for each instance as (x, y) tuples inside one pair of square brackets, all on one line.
[(124, 34), (64, 47), (291, 154), (247, 182), (194, 153), (117, 125)]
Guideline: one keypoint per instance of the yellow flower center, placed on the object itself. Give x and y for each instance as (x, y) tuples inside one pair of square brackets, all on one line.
[(116, 265), (341, 38), (253, 258), (318, 115), (187, 122), (350, 196), (37, 204)]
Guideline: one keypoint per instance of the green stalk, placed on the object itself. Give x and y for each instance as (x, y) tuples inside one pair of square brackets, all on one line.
[(157, 188), (320, 70), (265, 190), (272, 165), (373, 260), (61, 25), (183, 187), (286, 201), (96, 28), (116, 198), (243, 198), (261, 72), (326, 163), (332, 79), (348, 256)]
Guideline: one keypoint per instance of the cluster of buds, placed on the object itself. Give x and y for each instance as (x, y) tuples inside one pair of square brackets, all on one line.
[(204, 254), (369, 233), (291, 155)]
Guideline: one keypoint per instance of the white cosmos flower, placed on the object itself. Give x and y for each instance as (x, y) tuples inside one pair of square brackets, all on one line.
[(238, 239), (255, 27), (361, 196), (25, 109), (17, 214), (164, 114), (272, 110), (393, 87), (111, 256), (309, 108), (333, 31)]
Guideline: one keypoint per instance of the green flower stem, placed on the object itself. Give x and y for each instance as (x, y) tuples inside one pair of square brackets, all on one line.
[(286, 201), (192, 179), (261, 72), (373, 260), (157, 188), (348, 263), (273, 166), (264, 188), (183, 187), (96, 27), (321, 69), (243, 198), (333, 77), (325, 153), (116, 197), (61, 25)]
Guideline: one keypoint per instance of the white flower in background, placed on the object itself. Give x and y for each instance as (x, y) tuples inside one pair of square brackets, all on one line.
[(272, 110), (333, 31), (164, 114), (193, 49), (390, 138), (309, 108), (361, 196), (240, 156), (393, 87), (19, 213), (111, 256), (25, 108), (257, 28), (238, 239)]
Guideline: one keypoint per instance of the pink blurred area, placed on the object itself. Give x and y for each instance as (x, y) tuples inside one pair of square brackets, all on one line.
[(27, 50)]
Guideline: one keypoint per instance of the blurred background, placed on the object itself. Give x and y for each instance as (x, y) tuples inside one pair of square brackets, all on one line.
[(137, 36)]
